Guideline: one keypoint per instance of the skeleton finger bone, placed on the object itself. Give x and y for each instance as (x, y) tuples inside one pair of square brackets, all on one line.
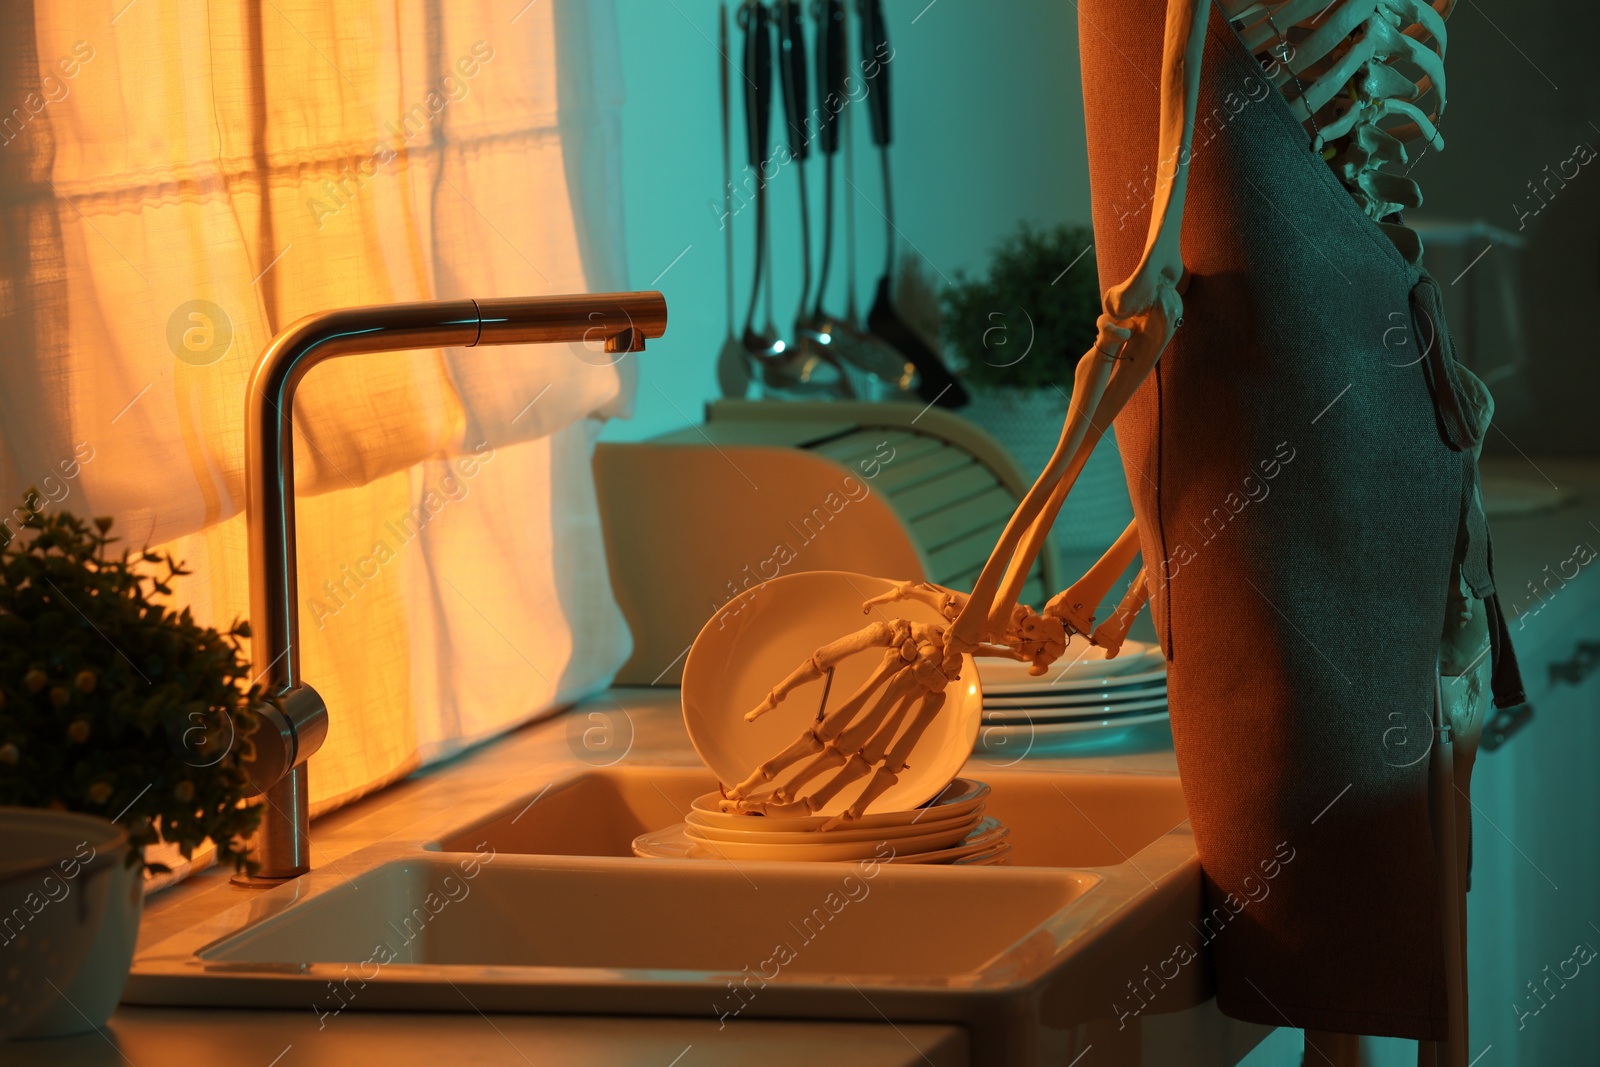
[(879, 634), (893, 759), (837, 751), (812, 741), (946, 602)]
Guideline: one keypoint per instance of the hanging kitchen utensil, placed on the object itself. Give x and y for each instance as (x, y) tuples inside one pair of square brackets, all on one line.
[(757, 121), (796, 98), (936, 384), (733, 367), (769, 330), (782, 371), (880, 371)]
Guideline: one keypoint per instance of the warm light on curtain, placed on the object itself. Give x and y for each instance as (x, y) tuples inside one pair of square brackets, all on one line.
[(180, 180)]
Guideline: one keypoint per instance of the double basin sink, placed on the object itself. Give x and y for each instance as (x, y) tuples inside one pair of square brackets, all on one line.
[(539, 905)]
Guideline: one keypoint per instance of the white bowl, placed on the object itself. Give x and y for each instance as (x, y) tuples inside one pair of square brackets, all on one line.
[(757, 639), (959, 797), (56, 879)]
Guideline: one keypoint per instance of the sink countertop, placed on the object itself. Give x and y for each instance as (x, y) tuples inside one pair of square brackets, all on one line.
[(522, 762), (534, 755)]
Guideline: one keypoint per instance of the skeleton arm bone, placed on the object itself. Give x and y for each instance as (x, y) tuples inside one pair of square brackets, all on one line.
[(1145, 309), (1141, 314), (1110, 634), (1076, 605)]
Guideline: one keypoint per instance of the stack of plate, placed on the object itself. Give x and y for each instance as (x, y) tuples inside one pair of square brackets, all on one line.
[(951, 828), (1082, 692)]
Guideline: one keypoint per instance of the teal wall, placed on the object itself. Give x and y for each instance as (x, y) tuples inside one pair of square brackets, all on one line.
[(988, 127), (990, 130)]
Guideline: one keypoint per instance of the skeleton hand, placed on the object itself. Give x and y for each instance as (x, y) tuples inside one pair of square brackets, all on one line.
[(1029, 636), (873, 732)]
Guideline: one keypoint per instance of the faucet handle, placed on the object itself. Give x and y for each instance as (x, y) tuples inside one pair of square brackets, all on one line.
[(293, 726)]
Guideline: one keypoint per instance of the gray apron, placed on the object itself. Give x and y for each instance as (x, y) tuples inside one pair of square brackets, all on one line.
[(1301, 473)]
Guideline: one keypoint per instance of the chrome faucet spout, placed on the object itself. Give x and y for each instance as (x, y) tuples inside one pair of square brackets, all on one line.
[(295, 726)]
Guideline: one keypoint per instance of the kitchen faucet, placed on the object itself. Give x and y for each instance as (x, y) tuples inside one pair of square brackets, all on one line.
[(295, 725)]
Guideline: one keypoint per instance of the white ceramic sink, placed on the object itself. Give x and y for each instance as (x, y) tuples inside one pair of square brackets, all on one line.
[(647, 916), (1057, 820), (535, 903)]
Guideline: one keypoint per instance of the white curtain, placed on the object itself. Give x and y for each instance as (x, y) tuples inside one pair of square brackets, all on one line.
[(179, 180)]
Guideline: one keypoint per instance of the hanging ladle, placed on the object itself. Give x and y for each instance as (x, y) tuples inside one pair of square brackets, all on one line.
[(821, 365), (782, 369), (935, 384), (842, 337)]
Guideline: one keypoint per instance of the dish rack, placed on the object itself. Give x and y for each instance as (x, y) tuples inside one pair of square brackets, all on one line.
[(694, 517)]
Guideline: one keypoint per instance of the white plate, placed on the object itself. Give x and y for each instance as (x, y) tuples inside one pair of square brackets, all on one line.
[(750, 829), (985, 842), (1039, 712), (1017, 739), (991, 856), (959, 797), (1081, 662), (1089, 696), (668, 844), (1045, 684), (842, 850), (760, 637)]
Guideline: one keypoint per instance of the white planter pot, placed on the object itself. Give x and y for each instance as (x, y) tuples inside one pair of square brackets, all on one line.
[(69, 914), (1028, 423), (94, 991)]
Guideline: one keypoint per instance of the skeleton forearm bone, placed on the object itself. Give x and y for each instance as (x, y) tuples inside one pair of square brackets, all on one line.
[(1110, 634), (1076, 605)]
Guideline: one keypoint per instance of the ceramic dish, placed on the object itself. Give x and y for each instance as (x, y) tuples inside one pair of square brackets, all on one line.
[(997, 856), (905, 845), (1089, 696), (1043, 710), (959, 797), (1047, 683), (990, 840), (1009, 739), (758, 638), (1081, 662), (668, 844), (752, 830), (984, 845)]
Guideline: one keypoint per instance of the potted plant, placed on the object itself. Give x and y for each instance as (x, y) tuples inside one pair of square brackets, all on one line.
[(1019, 330), (114, 705)]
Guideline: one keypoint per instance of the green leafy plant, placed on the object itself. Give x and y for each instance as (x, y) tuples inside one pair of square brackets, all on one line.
[(111, 703), (1026, 321)]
